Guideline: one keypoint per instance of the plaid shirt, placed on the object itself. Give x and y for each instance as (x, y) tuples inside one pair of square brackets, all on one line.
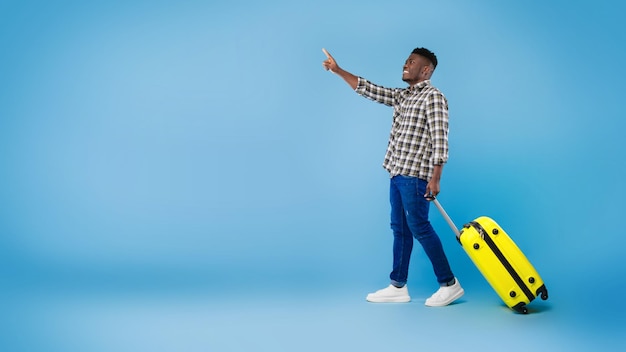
[(419, 131)]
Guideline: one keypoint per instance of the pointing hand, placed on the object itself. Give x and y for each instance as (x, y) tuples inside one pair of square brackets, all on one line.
[(329, 64)]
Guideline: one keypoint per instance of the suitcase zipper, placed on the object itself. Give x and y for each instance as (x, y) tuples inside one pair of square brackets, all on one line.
[(507, 265)]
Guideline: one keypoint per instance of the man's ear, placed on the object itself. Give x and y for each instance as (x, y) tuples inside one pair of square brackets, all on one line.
[(430, 70), (427, 71)]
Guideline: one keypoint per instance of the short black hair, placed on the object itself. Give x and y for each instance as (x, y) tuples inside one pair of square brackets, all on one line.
[(427, 54)]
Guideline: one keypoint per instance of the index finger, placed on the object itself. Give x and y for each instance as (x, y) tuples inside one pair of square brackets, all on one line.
[(327, 54)]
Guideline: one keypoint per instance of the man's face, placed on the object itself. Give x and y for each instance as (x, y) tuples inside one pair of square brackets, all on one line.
[(416, 69)]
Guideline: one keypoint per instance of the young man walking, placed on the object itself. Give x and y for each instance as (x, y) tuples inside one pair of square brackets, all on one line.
[(416, 153)]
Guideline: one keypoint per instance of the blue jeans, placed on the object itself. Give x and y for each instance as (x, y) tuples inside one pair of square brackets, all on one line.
[(409, 218)]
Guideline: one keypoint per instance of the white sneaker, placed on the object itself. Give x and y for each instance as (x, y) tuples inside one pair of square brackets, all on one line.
[(390, 294), (446, 295)]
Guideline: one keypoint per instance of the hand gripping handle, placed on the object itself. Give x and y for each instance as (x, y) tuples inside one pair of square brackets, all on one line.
[(445, 216)]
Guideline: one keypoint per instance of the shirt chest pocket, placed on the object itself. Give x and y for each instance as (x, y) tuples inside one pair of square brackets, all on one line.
[(410, 116)]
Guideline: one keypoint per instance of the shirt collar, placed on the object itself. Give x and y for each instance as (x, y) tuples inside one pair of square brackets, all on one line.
[(420, 85)]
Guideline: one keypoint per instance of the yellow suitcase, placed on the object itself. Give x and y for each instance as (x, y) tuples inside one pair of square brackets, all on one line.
[(501, 262)]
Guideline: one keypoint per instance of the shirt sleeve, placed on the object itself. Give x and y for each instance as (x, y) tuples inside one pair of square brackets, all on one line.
[(375, 92), (437, 120)]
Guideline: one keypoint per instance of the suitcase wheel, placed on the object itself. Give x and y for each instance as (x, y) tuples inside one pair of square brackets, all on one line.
[(543, 291), (520, 308)]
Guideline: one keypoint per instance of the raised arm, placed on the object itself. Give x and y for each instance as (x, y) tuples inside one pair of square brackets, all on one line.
[(331, 65)]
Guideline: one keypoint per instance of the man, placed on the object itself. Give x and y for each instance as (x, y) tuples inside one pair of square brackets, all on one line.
[(417, 150)]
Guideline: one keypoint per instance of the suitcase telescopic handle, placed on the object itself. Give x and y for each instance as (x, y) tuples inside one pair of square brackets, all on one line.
[(445, 216)]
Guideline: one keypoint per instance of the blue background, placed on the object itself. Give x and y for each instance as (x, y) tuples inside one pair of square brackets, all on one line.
[(184, 175)]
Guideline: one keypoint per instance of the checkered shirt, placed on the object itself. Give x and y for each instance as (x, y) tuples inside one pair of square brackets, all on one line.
[(419, 130)]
